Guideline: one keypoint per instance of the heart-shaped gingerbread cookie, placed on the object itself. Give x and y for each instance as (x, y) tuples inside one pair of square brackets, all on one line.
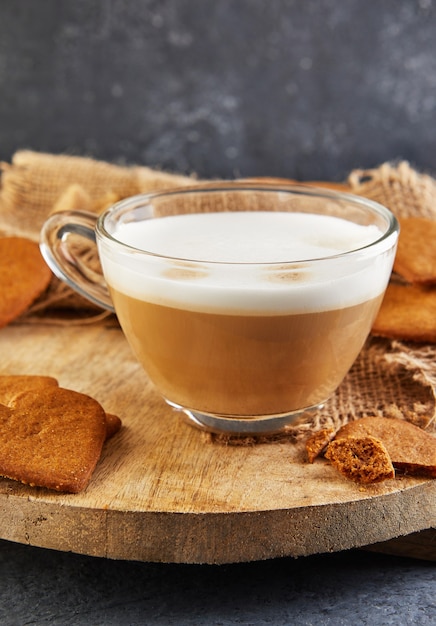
[(51, 438)]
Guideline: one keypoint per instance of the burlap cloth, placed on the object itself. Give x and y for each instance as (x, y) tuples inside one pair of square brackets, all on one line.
[(389, 378)]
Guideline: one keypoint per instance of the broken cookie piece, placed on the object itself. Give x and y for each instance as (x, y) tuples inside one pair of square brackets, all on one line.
[(318, 442), (362, 459), (411, 449)]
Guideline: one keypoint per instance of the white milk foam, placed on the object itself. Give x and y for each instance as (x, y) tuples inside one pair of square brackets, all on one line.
[(257, 237), (229, 248)]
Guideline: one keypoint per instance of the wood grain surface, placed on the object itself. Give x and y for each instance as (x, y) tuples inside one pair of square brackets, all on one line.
[(164, 492)]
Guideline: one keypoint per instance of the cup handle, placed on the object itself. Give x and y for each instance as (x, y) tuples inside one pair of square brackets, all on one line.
[(58, 235)]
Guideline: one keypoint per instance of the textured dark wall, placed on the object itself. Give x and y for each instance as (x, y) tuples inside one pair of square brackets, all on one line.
[(305, 89)]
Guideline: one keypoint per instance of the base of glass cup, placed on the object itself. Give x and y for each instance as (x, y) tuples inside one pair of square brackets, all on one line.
[(237, 425)]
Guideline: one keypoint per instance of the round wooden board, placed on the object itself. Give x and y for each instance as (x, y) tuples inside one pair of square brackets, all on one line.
[(164, 492)]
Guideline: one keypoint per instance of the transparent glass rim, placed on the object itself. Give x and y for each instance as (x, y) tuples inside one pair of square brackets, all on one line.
[(141, 200)]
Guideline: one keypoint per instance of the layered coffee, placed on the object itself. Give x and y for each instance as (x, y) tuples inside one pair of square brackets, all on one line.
[(230, 314)]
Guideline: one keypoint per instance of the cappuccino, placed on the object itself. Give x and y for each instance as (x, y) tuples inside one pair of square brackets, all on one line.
[(246, 314)]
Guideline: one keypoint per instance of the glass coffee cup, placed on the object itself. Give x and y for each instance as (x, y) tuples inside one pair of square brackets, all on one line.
[(246, 303)]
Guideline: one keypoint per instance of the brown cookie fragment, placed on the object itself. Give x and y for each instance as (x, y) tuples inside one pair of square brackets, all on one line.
[(408, 312), (416, 252), (362, 459), (318, 442), (51, 438), (411, 449), (24, 276)]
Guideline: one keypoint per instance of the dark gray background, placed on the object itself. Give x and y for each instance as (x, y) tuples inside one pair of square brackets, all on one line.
[(305, 89), (300, 88)]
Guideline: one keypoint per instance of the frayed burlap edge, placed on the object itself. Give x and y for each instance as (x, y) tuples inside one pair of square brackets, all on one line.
[(35, 182), (406, 192)]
